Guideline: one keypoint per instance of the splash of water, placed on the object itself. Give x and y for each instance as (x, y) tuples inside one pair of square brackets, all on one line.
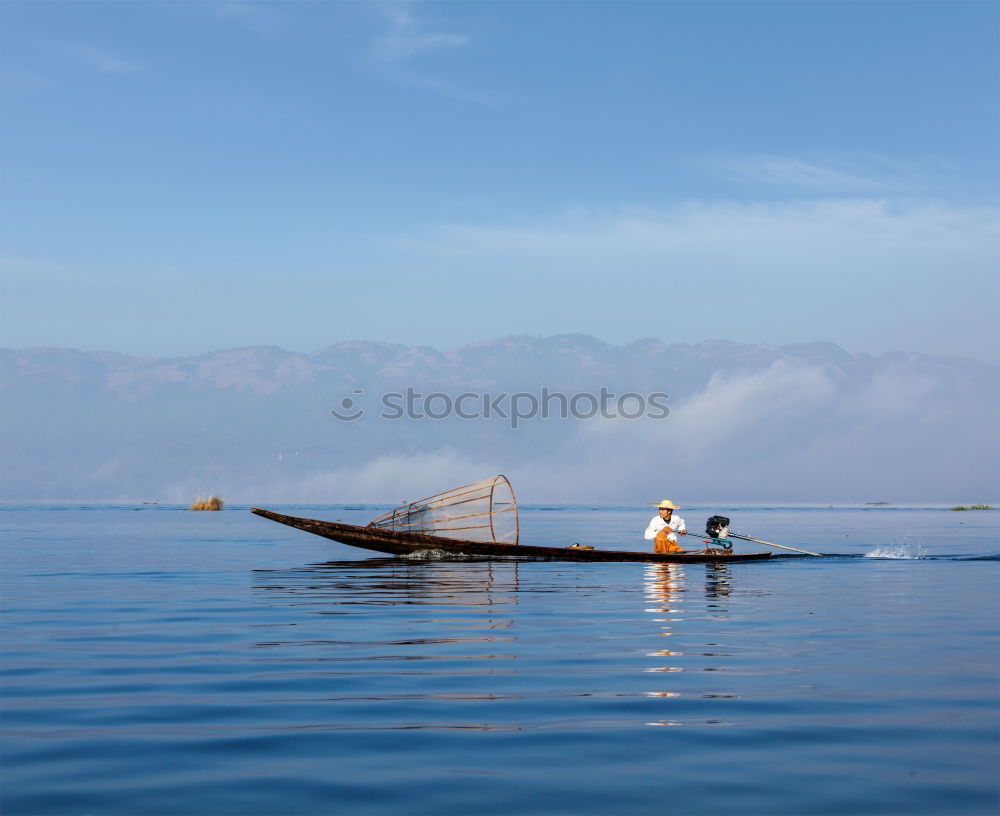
[(904, 550)]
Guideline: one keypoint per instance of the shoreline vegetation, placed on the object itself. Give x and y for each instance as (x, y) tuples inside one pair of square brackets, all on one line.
[(213, 502), (972, 507)]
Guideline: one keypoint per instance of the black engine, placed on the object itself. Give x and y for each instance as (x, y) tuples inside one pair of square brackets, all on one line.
[(717, 527)]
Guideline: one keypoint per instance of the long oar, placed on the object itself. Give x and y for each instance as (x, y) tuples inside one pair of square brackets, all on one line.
[(772, 544)]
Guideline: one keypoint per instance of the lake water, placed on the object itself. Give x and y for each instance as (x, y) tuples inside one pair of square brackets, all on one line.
[(159, 661)]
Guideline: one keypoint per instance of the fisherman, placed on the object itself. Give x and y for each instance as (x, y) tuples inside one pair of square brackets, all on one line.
[(664, 528)]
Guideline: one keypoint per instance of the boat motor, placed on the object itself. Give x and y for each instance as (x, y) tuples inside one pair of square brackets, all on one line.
[(717, 529)]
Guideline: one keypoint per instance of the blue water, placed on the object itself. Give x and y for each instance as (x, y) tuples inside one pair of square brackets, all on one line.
[(159, 661)]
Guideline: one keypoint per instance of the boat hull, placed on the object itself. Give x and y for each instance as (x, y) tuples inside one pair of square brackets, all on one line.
[(426, 546)]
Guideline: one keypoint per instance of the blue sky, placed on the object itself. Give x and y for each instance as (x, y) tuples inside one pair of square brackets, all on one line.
[(179, 177)]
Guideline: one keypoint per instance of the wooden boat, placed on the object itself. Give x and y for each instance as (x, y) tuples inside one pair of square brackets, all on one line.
[(431, 546), (477, 520)]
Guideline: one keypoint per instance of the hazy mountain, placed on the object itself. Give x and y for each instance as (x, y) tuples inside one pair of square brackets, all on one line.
[(747, 423)]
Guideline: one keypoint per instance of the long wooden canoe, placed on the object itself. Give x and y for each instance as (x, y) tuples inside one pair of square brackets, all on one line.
[(428, 546)]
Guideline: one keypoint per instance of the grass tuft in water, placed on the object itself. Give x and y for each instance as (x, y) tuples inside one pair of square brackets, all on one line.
[(213, 502)]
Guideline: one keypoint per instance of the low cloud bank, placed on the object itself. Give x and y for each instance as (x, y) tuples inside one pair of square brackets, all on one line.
[(789, 433), (746, 424)]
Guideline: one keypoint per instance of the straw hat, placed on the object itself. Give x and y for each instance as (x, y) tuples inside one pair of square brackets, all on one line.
[(666, 504)]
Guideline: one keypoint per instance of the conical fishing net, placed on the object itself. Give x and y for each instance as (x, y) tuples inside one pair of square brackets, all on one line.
[(483, 511)]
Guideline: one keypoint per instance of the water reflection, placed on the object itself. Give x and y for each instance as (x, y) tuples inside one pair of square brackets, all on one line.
[(391, 644), (718, 585), (393, 581), (469, 596), (675, 610), (664, 586), (395, 644)]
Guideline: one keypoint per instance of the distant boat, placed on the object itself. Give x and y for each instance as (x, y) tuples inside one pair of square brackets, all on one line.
[(154, 501), (478, 520)]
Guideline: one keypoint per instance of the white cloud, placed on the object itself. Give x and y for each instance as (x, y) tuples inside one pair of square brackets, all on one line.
[(406, 36), (737, 420), (836, 173), (826, 174), (739, 406), (742, 416), (796, 432), (868, 273), (403, 39), (814, 228)]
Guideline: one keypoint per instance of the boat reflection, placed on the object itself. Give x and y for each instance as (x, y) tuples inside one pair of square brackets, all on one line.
[(391, 644), (341, 586)]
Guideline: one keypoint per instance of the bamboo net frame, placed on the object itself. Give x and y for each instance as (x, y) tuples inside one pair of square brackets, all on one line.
[(481, 511)]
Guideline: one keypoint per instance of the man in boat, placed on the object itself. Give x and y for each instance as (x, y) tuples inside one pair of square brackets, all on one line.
[(664, 528)]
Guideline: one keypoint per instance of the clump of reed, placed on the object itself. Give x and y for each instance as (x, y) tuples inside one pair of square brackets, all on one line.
[(213, 502), (973, 507)]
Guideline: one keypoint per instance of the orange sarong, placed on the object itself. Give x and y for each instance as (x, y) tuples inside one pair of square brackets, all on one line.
[(662, 544)]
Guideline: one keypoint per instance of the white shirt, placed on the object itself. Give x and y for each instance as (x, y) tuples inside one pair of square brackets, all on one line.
[(657, 523)]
